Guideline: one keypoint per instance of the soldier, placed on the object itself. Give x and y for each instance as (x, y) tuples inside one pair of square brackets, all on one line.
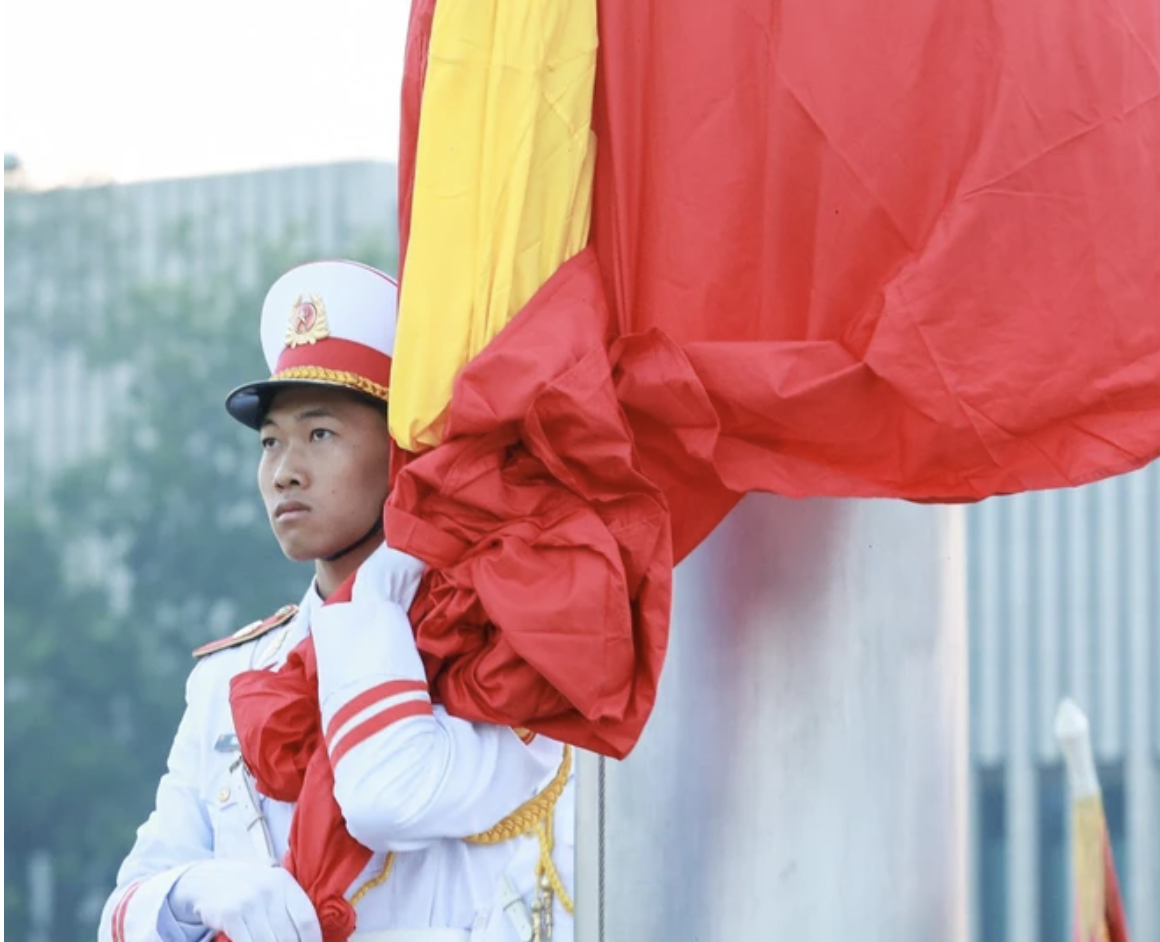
[(428, 800)]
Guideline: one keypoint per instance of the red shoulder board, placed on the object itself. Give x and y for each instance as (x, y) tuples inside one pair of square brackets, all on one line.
[(250, 632)]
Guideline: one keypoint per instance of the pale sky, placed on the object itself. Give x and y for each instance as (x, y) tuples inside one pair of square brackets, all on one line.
[(138, 89)]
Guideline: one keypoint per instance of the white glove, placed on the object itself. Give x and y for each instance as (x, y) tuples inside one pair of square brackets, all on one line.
[(248, 902), (388, 575)]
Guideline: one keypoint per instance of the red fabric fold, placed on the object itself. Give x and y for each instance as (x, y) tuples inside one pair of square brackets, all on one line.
[(279, 727), (419, 25), (535, 516)]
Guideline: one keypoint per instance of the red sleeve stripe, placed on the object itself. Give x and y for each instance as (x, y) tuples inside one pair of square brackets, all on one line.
[(378, 723), (367, 699), (121, 910), (382, 706)]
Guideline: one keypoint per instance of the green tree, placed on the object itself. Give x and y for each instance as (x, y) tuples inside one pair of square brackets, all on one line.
[(84, 714)]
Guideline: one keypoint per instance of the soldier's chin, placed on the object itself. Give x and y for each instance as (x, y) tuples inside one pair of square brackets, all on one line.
[(301, 551)]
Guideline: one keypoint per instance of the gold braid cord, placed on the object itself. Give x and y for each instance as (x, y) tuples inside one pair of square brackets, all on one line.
[(535, 817), (547, 866), (377, 880), (339, 377), (532, 817), (525, 818)]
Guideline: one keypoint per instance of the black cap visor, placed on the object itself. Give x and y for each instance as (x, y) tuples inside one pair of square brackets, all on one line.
[(249, 403)]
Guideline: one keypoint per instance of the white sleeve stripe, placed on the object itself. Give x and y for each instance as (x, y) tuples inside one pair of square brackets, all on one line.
[(373, 710), (416, 710)]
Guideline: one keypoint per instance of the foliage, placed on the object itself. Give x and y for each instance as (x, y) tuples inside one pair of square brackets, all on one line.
[(85, 715)]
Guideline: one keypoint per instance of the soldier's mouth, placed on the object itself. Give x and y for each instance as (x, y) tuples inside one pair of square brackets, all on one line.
[(290, 510)]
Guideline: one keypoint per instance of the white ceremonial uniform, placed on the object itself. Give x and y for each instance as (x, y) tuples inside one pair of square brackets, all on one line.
[(409, 779)]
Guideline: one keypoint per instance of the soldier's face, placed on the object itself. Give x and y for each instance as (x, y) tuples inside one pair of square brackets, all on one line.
[(323, 471)]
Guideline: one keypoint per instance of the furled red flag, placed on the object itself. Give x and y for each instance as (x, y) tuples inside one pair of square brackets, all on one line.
[(834, 250), (1099, 910)]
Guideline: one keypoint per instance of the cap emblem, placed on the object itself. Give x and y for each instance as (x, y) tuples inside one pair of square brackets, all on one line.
[(307, 322)]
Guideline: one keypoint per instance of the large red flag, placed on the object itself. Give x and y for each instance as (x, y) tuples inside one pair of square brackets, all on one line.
[(906, 252), (837, 249)]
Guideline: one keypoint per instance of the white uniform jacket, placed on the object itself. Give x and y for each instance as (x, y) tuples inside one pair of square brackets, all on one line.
[(408, 777)]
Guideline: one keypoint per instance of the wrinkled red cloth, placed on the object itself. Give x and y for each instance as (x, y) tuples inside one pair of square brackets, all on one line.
[(840, 253), (279, 727), (535, 517), (914, 255)]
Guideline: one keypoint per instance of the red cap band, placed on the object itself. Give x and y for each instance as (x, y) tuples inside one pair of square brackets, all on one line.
[(341, 356)]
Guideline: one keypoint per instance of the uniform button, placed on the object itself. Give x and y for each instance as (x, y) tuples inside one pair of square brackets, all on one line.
[(224, 795)]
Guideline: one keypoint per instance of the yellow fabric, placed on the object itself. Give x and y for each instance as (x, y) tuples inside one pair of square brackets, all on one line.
[(1088, 856), (502, 192)]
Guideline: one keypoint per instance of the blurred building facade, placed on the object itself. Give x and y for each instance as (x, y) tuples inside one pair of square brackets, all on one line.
[(86, 245), (1064, 596), (1064, 587)]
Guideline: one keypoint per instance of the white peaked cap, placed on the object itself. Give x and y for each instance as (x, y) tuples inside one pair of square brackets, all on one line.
[(326, 323)]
